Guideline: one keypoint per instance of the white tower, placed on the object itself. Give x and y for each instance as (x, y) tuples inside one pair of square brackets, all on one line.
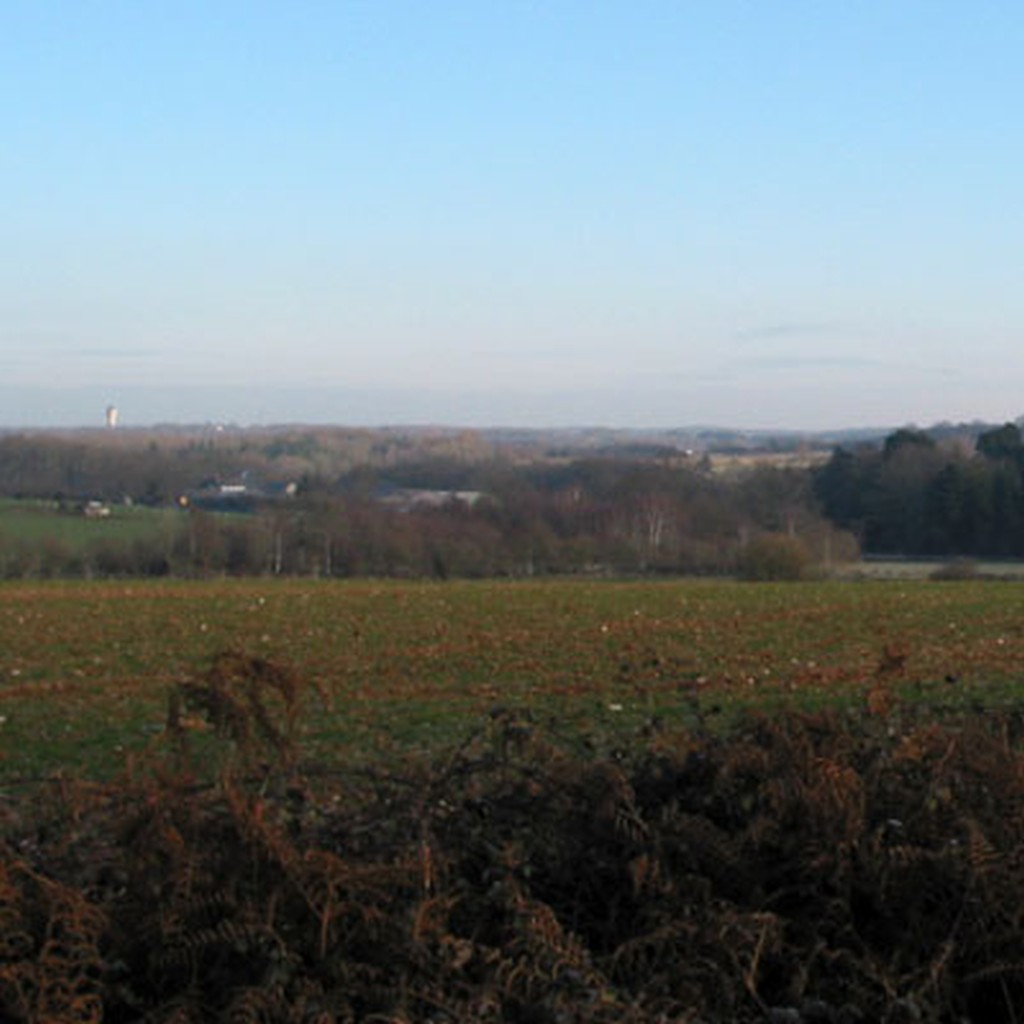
[(111, 416)]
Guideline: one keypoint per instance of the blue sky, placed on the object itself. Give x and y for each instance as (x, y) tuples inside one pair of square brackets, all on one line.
[(785, 214)]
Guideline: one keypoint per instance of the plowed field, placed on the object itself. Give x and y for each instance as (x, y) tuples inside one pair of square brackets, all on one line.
[(85, 668)]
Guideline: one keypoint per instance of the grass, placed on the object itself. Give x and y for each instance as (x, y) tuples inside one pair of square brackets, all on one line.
[(85, 667), (35, 523)]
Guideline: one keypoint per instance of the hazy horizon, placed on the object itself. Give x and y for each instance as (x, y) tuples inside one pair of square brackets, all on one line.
[(85, 409), (799, 216)]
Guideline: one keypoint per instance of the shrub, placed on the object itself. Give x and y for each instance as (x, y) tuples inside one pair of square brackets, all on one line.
[(829, 867), (957, 569), (774, 556)]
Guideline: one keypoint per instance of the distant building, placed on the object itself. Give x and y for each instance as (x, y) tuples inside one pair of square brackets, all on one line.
[(404, 499), (111, 416), (96, 510), (244, 494)]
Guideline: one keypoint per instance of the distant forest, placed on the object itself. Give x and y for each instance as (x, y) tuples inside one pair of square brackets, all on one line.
[(440, 503), (915, 495)]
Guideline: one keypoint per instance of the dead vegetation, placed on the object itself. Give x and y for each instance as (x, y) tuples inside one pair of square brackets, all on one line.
[(847, 866)]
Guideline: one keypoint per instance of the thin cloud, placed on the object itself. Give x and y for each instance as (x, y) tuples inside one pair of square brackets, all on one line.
[(786, 331), (32, 344), (811, 362), (790, 362), (115, 353)]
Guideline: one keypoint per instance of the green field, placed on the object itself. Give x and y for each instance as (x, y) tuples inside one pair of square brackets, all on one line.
[(33, 523), (86, 668)]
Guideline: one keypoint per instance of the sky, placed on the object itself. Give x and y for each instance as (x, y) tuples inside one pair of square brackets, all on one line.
[(654, 213)]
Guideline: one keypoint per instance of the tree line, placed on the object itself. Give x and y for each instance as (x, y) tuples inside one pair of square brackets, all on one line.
[(464, 510), (915, 495), (451, 504)]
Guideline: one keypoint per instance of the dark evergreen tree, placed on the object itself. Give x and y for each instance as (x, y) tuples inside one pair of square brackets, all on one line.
[(1002, 444)]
